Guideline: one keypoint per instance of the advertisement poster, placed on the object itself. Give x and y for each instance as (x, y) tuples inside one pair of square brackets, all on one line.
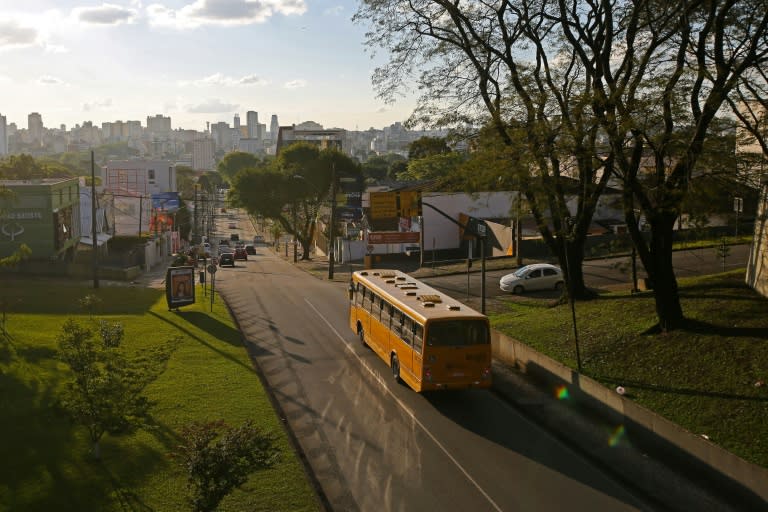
[(180, 286)]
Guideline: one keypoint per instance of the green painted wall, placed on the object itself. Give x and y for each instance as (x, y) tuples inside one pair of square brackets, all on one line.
[(44, 215)]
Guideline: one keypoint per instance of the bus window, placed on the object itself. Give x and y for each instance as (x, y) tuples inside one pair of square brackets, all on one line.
[(418, 336), (397, 323), (358, 294), (366, 297), (407, 333), (375, 306), (454, 333), (386, 313)]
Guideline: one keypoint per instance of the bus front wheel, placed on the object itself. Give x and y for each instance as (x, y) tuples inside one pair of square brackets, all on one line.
[(396, 369)]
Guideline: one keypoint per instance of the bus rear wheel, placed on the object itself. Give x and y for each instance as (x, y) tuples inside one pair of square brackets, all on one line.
[(396, 369), (361, 333)]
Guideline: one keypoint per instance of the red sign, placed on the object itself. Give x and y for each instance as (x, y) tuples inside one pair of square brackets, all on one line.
[(393, 237)]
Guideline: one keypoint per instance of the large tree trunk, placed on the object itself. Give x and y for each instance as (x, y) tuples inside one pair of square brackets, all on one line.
[(662, 274)]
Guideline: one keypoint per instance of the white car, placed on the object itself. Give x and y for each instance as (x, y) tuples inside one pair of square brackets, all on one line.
[(207, 249), (538, 276)]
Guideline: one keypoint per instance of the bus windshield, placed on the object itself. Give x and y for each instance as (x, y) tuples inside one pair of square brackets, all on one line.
[(457, 333)]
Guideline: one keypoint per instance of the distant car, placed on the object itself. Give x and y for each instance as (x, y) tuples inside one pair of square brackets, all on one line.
[(234, 237), (224, 241), (538, 276), (227, 258), (250, 249), (207, 249), (232, 225), (240, 253), (412, 250), (258, 239)]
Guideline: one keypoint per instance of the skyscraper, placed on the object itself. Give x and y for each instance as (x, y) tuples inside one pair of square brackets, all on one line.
[(35, 127), (274, 127), (3, 136), (236, 121), (252, 118)]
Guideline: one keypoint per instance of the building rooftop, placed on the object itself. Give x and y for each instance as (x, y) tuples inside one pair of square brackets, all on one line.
[(34, 182)]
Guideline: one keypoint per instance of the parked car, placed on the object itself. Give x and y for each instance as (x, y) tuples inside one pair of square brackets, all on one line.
[(258, 239), (232, 225), (227, 258), (538, 276), (240, 253), (206, 249), (250, 249), (224, 241), (412, 250), (234, 237)]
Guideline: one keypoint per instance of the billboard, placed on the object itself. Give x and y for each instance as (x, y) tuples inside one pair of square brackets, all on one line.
[(387, 205), (166, 201), (393, 237), (179, 286)]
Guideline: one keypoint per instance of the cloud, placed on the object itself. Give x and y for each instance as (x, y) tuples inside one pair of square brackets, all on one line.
[(295, 84), (218, 79), (99, 104), (55, 48), (211, 106), (15, 35), (50, 80), (105, 14), (222, 12)]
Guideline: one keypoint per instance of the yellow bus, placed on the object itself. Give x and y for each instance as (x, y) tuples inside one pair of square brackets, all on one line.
[(429, 340)]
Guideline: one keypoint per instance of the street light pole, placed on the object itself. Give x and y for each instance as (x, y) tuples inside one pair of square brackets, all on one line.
[(331, 234), (295, 229), (93, 224)]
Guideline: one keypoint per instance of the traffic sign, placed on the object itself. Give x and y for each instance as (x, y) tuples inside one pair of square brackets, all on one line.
[(211, 268)]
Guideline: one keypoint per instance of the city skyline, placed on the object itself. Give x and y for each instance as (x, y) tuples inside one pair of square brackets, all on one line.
[(195, 61)]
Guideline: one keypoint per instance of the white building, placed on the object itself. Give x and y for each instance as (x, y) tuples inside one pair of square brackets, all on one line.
[(159, 126), (202, 154), (3, 136)]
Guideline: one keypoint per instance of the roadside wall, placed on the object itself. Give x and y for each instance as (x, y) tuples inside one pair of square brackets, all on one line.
[(638, 421)]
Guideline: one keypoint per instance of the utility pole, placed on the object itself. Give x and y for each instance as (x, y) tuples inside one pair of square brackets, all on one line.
[(331, 233), (194, 225), (93, 224)]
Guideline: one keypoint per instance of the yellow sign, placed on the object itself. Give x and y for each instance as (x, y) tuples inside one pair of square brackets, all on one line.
[(387, 205)]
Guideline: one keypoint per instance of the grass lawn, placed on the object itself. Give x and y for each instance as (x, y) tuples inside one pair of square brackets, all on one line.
[(46, 462), (711, 377)]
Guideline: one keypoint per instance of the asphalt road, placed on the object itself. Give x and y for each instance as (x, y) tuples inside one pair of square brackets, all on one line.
[(375, 445)]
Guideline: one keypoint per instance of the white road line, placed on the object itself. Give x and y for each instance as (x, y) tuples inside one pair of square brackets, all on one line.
[(406, 410)]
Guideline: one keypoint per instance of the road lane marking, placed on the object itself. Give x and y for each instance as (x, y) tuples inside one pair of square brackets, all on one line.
[(407, 411)]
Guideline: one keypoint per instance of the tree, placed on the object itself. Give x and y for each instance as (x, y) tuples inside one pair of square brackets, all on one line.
[(427, 146), (497, 64), (106, 394), (661, 72), (236, 161), (432, 167), (25, 167), (185, 182), (596, 90), (382, 167), (219, 458), (293, 189)]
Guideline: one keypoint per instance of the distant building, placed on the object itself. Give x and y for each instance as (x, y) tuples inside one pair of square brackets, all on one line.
[(202, 155), (288, 135), (35, 128), (223, 136), (159, 126), (236, 121), (3, 136), (251, 145), (44, 215), (252, 120), (757, 267), (753, 166), (274, 127)]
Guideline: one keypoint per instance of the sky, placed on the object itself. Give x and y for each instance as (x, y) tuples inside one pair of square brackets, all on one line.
[(192, 60)]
